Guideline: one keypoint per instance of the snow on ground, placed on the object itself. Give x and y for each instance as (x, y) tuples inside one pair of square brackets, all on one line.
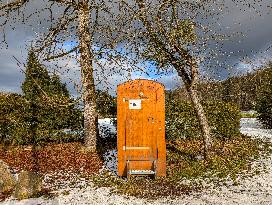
[(250, 126), (256, 190), (106, 127)]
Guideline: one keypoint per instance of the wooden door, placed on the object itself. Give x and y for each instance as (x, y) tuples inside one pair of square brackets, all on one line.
[(140, 138), (140, 126)]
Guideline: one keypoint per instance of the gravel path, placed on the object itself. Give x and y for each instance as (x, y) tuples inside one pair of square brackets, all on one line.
[(255, 190)]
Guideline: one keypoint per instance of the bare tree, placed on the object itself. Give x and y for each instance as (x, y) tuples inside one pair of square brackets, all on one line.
[(167, 38), (175, 34), (90, 115), (74, 22)]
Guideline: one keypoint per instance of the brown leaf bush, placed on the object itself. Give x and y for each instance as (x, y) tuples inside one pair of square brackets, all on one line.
[(51, 158)]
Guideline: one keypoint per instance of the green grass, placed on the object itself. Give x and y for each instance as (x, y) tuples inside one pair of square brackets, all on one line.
[(248, 115)]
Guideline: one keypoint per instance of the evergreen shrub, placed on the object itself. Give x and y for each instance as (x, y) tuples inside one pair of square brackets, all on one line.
[(13, 127), (182, 122), (264, 109), (42, 113), (264, 103)]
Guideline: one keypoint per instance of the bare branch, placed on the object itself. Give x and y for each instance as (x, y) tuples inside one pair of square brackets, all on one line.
[(66, 2), (12, 5), (50, 38), (61, 54)]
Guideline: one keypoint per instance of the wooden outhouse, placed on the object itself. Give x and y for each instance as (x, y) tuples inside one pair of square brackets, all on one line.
[(141, 128)]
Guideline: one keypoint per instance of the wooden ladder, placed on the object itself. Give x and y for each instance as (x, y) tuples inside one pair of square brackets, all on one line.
[(153, 171)]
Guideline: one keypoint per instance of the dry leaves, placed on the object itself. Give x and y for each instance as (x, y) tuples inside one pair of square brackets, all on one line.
[(52, 157)]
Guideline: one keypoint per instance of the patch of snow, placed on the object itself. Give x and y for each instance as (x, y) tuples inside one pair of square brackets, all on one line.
[(110, 161), (251, 127), (106, 127)]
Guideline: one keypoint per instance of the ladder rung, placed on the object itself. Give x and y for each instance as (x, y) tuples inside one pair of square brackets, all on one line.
[(141, 172), (144, 160)]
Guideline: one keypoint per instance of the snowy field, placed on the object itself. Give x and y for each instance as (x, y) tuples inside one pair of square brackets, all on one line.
[(255, 190)]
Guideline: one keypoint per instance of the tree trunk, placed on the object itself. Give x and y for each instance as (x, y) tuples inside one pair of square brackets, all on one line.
[(86, 57), (190, 82), (205, 128)]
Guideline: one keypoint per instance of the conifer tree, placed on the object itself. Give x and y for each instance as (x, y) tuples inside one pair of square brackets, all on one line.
[(107, 104), (57, 87), (50, 106), (37, 79)]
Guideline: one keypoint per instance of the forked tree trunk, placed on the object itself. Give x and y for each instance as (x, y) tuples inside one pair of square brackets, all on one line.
[(86, 57), (204, 124), (189, 79)]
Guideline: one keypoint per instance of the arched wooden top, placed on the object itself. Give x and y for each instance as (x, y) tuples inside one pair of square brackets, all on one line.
[(138, 81)]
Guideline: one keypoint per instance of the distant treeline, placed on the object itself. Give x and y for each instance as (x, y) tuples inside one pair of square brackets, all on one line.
[(243, 90)]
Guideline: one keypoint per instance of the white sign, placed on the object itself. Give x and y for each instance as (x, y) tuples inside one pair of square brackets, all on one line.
[(135, 104)]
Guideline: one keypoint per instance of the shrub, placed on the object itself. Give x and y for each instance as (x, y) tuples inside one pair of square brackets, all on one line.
[(264, 109), (181, 120), (42, 113), (52, 157), (45, 136), (16, 129), (264, 103), (107, 105), (13, 127)]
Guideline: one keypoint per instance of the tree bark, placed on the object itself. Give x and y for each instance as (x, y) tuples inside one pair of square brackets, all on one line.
[(86, 58), (191, 83), (203, 121)]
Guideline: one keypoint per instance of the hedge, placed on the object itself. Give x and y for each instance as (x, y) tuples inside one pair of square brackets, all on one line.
[(15, 124), (264, 109), (181, 120)]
